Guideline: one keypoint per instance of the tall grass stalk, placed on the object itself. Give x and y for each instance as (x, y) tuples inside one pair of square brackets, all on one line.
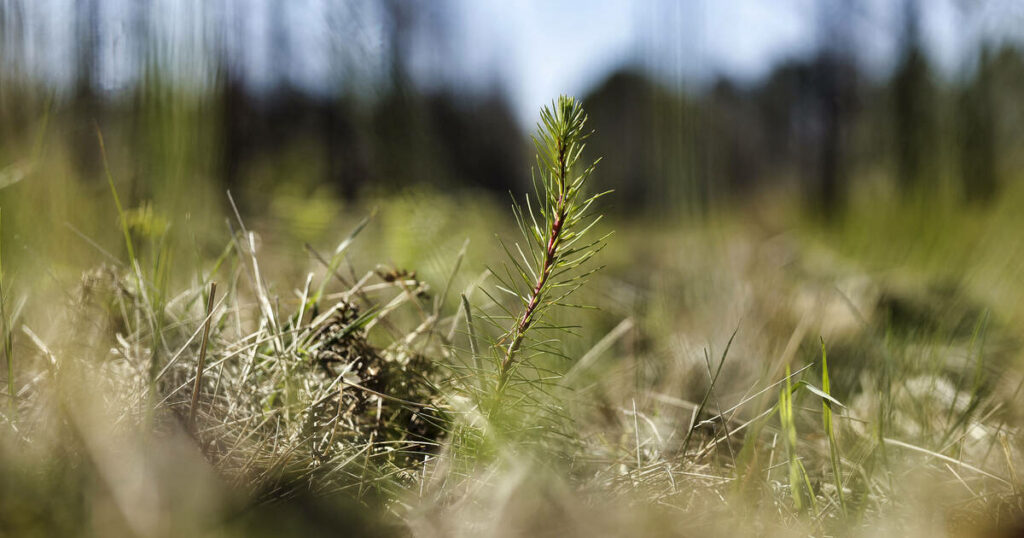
[(799, 483), (5, 332), (202, 355), (154, 311), (474, 347), (826, 417), (713, 379)]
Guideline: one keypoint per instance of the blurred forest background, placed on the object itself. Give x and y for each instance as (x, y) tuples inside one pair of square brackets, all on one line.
[(217, 95), (794, 173)]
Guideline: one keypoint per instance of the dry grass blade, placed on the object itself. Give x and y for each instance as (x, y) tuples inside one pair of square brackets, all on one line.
[(947, 459), (599, 348)]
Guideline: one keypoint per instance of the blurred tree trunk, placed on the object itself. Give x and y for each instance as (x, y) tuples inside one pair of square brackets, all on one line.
[(346, 168), (912, 100), (832, 89), (280, 53), (85, 107), (978, 159), (833, 83), (12, 118)]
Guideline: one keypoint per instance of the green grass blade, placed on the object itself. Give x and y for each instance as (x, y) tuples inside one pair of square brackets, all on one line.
[(833, 445), (5, 331)]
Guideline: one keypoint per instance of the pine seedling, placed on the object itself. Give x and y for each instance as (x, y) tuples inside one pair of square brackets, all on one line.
[(544, 270)]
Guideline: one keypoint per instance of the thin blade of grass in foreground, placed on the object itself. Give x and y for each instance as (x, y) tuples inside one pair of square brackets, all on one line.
[(707, 395), (202, 356), (5, 332), (833, 445), (799, 483)]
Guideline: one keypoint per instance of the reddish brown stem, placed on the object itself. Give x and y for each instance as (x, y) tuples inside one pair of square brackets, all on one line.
[(550, 254)]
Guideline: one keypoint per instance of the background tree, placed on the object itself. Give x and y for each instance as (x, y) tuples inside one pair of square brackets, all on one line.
[(978, 160), (912, 106)]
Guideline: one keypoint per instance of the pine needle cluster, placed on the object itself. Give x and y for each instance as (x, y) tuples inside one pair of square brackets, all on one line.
[(543, 269)]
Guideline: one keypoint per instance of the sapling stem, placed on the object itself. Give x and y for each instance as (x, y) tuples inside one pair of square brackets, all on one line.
[(550, 259)]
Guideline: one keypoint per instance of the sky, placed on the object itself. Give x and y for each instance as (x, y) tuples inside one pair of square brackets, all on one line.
[(534, 49), (540, 49), (538, 53)]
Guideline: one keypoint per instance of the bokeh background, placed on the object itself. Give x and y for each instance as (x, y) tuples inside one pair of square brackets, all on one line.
[(697, 103), (886, 135), (791, 172)]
